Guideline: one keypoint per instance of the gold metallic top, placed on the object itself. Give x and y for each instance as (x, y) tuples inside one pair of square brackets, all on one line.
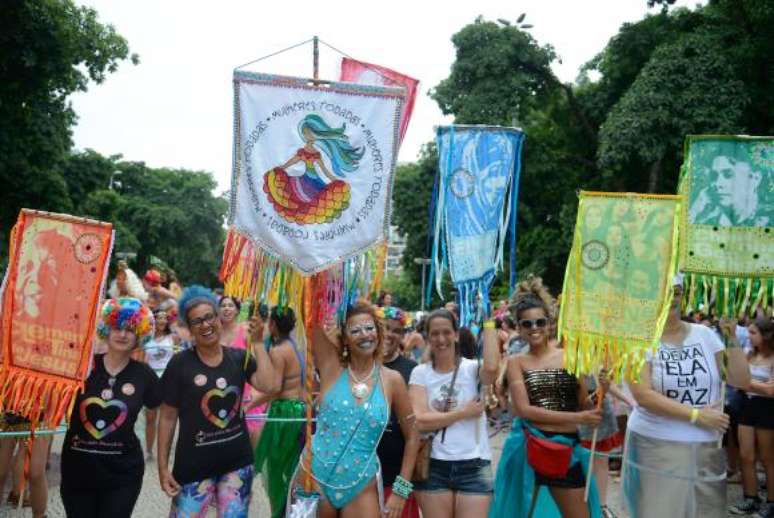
[(552, 389)]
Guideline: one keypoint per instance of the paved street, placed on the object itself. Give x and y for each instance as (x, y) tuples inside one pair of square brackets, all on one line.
[(153, 503)]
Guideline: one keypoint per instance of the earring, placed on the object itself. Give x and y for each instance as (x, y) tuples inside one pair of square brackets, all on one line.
[(345, 353)]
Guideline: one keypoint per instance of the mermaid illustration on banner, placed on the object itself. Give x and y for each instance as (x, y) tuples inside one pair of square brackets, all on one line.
[(308, 198)]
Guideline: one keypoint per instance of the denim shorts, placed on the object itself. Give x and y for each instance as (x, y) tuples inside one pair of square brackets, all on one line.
[(473, 476)]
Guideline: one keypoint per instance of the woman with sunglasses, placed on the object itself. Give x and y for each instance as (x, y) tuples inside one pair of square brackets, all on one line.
[(445, 394), (357, 394), (673, 463), (549, 403), (202, 389)]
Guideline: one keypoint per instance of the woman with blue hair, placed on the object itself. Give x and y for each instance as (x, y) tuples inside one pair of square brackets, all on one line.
[(102, 460), (308, 198), (202, 389)]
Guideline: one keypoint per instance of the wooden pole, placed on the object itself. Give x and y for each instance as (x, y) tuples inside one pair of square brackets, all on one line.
[(601, 396), (315, 58)]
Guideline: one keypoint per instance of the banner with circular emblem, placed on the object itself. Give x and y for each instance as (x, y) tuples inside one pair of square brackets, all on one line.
[(618, 283)]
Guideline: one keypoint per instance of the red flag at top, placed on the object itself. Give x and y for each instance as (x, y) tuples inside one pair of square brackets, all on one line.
[(365, 73)]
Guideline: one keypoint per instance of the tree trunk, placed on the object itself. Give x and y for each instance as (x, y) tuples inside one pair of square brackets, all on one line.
[(654, 175)]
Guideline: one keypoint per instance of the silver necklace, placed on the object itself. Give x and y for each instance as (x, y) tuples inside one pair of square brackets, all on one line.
[(360, 388)]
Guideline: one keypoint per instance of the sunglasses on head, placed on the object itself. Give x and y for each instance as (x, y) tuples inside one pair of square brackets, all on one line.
[(530, 323)]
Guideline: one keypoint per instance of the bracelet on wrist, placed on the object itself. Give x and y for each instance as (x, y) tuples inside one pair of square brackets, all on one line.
[(489, 324), (402, 487), (694, 415)]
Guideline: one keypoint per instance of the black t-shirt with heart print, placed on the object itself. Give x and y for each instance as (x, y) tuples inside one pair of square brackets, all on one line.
[(213, 436), (101, 449)]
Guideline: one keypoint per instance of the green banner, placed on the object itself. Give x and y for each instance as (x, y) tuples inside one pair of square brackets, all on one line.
[(727, 223)]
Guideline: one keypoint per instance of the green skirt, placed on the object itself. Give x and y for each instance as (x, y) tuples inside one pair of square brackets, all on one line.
[(278, 450)]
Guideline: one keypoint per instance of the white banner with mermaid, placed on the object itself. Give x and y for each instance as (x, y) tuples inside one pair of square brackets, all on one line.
[(313, 166)]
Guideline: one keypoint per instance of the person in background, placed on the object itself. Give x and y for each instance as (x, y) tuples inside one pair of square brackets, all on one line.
[(384, 299), (157, 294), (392, 444), (756, 423), (414, 341), (202, 390), (673, 465), (467, 343), (277, 452), (102, 462), (158, 352), (447, 405), (127, 284)]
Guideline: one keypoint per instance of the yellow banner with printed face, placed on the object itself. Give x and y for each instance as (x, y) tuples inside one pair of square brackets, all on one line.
[(618, 283)]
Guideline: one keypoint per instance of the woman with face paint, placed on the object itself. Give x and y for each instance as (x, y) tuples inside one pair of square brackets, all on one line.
[(445, 395), (673, 465), (102, 461), (357, 395)]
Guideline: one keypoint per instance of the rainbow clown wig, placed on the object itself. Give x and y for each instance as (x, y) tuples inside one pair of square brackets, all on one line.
[(393, 313), (126, 313), (193, 296)]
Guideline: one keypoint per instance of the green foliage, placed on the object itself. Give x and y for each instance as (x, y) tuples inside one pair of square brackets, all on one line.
[(620, 127), (48, 50), (168, 213), (499, 75), (411, 194)]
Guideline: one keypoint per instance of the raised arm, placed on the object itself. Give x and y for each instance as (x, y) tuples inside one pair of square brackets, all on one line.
[(489, 367), (325, 348), (524, 409)]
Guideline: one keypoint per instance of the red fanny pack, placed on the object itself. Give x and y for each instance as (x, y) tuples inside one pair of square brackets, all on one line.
[(548, 458)]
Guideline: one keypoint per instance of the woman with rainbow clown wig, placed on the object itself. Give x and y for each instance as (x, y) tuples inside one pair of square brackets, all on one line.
[(202, 389), (102, 460), (308, 198)]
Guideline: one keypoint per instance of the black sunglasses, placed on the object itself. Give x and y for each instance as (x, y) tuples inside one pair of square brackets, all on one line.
[(537, 322)]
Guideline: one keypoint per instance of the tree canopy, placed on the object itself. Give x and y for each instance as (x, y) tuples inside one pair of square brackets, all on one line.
[(48, 50), (619, 127)]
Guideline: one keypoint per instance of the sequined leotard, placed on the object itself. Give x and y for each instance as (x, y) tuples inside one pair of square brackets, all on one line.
[(552, 389), (344, 447)]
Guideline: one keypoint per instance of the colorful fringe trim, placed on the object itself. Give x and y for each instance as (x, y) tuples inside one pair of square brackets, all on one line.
[(726, 296), (41, 398), (249, 273)]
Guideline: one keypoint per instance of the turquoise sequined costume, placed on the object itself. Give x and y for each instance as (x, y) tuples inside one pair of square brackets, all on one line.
[(344, 456)]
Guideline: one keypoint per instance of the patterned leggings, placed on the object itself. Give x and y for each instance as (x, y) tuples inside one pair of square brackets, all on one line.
[(231, 494)]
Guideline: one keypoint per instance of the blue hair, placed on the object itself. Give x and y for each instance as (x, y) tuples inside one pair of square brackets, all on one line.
[(334, 143), (193, 296)]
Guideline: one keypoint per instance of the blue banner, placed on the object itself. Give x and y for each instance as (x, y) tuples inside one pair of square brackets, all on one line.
[(475, 207)]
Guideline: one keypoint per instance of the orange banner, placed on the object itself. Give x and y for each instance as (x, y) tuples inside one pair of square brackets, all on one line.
[(50, 300)]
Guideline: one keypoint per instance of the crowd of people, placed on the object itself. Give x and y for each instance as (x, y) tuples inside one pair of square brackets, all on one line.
[(404, 407)]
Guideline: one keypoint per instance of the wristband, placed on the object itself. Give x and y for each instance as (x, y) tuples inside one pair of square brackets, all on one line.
[(402, 487), (694, 415), (489, 324)]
